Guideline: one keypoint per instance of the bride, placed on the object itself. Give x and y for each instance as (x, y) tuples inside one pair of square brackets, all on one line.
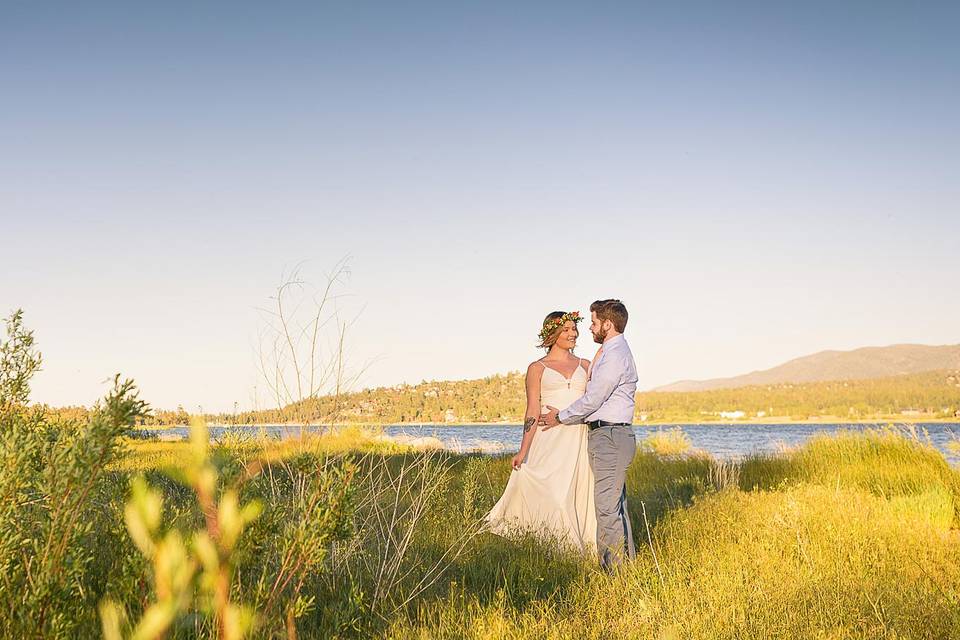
[(551, 488)]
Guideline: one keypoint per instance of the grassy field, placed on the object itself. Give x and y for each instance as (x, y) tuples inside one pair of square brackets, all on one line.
[(851, 536)]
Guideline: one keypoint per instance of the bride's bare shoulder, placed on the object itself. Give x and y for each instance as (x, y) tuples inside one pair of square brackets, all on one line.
[(585, 364), (535, 368)]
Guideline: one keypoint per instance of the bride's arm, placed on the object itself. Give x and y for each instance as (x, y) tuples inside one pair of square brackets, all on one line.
[(532, 414)]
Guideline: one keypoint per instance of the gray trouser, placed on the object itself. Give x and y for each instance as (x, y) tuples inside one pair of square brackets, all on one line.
[(611, 449)]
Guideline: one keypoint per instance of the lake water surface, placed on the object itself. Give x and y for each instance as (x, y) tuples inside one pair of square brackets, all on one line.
[(724, 441)]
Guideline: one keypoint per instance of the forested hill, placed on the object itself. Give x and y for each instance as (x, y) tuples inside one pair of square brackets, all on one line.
[(859, 364), (500, 398), (929, 395)]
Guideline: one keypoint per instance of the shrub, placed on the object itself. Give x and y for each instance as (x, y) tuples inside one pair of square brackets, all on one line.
[(53, 482)]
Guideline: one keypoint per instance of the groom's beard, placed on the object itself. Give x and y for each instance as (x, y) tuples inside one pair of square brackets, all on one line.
[(599, 336)]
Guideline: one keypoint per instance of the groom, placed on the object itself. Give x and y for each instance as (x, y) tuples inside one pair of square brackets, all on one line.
[(607, 408)]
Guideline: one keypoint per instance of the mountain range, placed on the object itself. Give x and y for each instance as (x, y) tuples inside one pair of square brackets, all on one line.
[(858, 364)]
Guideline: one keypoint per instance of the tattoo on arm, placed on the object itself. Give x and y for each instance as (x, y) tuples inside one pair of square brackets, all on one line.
[(529, 424)]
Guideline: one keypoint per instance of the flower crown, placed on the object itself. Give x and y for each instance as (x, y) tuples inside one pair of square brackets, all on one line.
[(552, 325)]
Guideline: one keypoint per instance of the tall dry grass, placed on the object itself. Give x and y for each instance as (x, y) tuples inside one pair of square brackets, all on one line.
[(849, 536)]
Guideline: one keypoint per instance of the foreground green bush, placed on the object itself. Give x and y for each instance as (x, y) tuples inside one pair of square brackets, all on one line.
[(57, 500)]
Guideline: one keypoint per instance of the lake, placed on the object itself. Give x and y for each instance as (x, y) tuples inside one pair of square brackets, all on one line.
[(723, 441)]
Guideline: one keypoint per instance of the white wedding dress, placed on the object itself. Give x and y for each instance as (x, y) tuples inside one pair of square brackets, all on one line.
[(552, 491)]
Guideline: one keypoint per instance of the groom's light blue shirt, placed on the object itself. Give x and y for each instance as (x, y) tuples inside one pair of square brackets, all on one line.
[(611, 391)]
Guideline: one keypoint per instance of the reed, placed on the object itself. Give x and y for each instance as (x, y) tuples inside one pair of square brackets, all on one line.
[(667, 442)]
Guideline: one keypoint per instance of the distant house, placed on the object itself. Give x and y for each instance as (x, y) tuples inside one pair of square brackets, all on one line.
[(911, 413), (732, 415), (450, 416)]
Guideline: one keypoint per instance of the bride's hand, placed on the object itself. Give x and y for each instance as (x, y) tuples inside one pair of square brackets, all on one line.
[(516, 461)]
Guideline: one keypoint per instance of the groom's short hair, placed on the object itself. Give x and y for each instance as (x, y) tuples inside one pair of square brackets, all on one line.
[(612, 310)]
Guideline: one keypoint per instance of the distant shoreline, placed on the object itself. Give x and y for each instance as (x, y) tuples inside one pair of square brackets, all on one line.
[(647, 423)]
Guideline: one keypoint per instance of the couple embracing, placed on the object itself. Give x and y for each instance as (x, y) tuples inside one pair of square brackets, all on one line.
[(568, 479)]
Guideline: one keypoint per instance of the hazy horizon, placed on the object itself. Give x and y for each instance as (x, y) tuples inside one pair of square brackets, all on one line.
[(756, 183)]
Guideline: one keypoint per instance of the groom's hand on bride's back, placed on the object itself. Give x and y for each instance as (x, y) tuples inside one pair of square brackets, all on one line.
[(549, 420)]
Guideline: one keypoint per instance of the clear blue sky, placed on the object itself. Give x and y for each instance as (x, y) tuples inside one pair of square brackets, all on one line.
[(756, 182)]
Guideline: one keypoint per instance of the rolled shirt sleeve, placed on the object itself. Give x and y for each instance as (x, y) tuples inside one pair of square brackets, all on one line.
[(604, 380)]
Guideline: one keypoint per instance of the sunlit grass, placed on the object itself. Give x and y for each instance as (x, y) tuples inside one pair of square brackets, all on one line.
[(886, 462), (150, 454), (806, 562), (338, 440), (667, 442), (848, 536), (147, 454)]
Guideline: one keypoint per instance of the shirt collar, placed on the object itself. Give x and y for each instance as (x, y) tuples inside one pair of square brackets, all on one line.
[(613, 341)]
